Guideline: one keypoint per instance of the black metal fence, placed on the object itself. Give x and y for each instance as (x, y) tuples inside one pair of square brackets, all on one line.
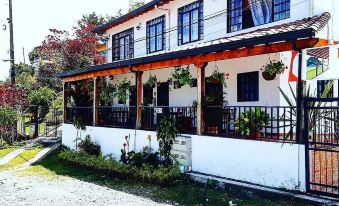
[(83, 113), (322, 145), (186, 118), (259, 122), (120, 117)]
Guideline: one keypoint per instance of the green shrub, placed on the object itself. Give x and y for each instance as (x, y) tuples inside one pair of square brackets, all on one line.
[(89, 147), (138, 159), (252, 121), (167, 131), (146, 173)]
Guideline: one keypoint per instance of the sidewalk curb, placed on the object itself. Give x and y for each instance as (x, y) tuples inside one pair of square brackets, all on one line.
[(306, 197)]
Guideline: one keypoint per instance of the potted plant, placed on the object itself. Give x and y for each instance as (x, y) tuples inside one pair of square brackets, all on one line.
[(182, 76), (122, 88), (152, 81), (217, 77), (272, 69), (252, 122)]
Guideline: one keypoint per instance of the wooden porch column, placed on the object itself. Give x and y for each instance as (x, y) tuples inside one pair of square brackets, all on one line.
[(139, 86), (201, 93), (64, 104), (95, 101)]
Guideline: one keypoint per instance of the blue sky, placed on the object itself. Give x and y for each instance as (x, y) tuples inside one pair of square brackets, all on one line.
[(33, 18)]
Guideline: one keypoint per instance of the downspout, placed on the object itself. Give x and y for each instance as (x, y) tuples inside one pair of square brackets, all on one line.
[(169, 25)]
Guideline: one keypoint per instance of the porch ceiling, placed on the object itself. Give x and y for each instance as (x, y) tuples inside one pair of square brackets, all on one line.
[(263, 41)]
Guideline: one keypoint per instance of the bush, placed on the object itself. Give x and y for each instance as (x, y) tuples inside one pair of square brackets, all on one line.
[(89, 147), (109, 166), (167, 131), (138, 159)]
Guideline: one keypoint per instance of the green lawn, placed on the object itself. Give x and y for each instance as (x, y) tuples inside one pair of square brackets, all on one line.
[(7, 150), (184, 192), (21, 158)]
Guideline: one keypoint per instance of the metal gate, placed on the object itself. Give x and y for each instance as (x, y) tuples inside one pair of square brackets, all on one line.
[(51, 126), (321, 135)]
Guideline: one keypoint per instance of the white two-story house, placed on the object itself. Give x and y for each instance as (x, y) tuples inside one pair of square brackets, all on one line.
[(202, 39)]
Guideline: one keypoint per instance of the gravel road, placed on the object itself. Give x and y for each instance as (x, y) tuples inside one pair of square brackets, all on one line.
[(38, 191)]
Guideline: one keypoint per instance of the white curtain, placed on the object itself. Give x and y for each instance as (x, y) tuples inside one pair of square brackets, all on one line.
[(261, 11)]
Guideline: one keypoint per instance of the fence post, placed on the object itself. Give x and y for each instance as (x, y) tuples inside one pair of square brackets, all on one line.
[(299, 104), (307, 150), (201, 94), (64, 105), (95, 101), (139, 85)]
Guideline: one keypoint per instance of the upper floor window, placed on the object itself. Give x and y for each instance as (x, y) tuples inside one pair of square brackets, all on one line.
[(244, 14), (281, 9), (190, 23), (248, 87), (123, 45), (155, 34)]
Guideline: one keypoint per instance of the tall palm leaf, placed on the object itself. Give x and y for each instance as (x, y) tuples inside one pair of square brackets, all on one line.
[(314, 115)]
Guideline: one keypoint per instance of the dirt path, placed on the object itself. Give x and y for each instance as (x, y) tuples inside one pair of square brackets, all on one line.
[(64, 191)]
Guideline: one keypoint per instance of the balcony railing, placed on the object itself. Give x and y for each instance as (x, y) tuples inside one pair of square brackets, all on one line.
[(83, 113), (119, 117), (186, 118), (260, 122), (274, 123)]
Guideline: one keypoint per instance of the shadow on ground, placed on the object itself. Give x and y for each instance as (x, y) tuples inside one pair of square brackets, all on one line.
[(184, 192)]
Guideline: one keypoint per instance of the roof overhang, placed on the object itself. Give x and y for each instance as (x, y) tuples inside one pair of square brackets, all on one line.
[(137, 12), (268, 44)]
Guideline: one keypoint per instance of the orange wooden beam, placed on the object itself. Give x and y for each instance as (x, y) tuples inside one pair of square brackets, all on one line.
[(102, 73), (230, 54)]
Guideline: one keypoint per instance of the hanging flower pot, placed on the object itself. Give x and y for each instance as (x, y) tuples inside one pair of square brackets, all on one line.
[(268, 77), (152, 81), (182, 76), (272, 69), (217, 78)]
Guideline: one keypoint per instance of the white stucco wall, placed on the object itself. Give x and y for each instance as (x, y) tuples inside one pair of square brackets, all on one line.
[(269, 94), (266, 163), (215, 24), (111, 140)]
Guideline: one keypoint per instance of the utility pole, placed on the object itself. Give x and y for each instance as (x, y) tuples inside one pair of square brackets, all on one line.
[(11, 42)]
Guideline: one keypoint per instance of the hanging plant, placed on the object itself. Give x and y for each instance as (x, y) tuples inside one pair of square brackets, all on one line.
[(272, 69), (152, 81), (107, 94), (217, 77), (182, 76), (122, 88)]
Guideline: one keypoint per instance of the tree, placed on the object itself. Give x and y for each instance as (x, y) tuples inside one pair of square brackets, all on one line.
[(133, 4), (8, 119), (40, 101)]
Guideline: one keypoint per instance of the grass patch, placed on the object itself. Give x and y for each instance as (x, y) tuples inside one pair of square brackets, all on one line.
[(21, 158), (183, 192), (6, 151)]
